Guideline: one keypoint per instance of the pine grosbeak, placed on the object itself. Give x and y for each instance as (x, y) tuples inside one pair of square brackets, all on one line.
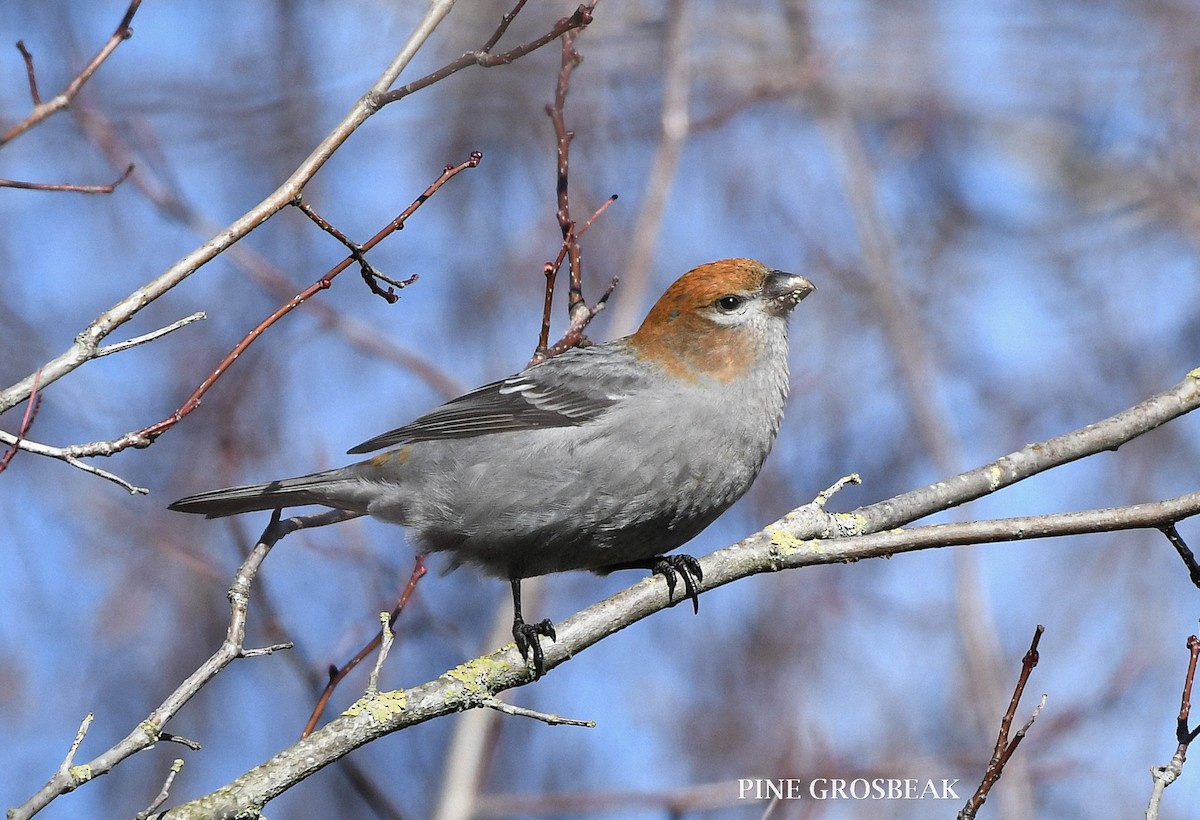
[(604, 457)]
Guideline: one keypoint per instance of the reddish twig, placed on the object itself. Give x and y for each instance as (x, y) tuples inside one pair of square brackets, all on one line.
[(1184, 735), (337, 675), (1005, 747), (358, 253), (550, 269), (1166, 775), (573, 337), (571, 59), (67, 186), (31, 411), (146, 436), (29, 72), (577, 308), (484, 58), (42, 110)]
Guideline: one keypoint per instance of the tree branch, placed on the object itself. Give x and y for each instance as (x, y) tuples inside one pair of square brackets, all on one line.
[(149, 731), (42, 110)]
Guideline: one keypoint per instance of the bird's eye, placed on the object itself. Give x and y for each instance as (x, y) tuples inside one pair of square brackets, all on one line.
[(730, 303)]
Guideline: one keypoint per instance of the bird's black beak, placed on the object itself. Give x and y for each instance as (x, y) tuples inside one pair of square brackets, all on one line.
[(785, 290)]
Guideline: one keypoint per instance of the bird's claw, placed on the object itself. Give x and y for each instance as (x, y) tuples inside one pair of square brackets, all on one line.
[(685, 566), (527, 638)]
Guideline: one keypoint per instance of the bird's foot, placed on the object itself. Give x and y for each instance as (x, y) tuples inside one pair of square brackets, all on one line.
[(529, 642), (684, 566)]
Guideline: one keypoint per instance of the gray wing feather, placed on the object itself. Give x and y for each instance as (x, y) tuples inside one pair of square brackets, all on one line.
[(546, 395)]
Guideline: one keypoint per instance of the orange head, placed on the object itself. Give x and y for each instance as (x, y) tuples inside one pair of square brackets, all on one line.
[(718, 319)]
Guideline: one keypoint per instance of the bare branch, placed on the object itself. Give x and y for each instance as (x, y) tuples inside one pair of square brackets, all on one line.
[(173, 205), (579, 313), (65, 454), (88, 340), (385, 647), (150, 731), (69, 761), (61, 100), (147, 435), (1035, 458), (485, 59), (31, 411)]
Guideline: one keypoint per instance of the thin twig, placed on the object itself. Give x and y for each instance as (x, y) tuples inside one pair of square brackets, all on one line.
[(31, 411), (823, 497), (163, 793), (550, 269), (1004, 746), (29, 72), (108, 350), (171, 203), (1166, 775), (1185, 552), (578, 312), (147, 435), (167, 737), (64, 454), (267, 650), (67, 186), (386, 636), (358, 252), (68, 763), (485, 59), (545, 717), (337, 675)]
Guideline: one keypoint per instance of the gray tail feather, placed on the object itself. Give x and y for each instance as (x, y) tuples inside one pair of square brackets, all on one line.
[(289, 492)]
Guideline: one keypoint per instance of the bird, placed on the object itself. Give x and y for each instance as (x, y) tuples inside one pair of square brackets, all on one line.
[(604, 457)]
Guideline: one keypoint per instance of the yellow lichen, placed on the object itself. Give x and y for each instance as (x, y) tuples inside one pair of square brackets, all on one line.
[(787, 544), (381, 706)]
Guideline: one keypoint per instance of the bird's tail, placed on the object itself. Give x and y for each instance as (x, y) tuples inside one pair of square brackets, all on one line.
[(317, 488)]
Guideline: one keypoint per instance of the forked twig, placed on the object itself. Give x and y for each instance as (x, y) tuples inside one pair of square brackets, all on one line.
[(337, 675), (1166, 775), (1004, 746), (42, 110), (577, 308)]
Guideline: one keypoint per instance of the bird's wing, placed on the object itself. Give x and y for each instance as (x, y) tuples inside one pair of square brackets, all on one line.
[(546, 395)]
